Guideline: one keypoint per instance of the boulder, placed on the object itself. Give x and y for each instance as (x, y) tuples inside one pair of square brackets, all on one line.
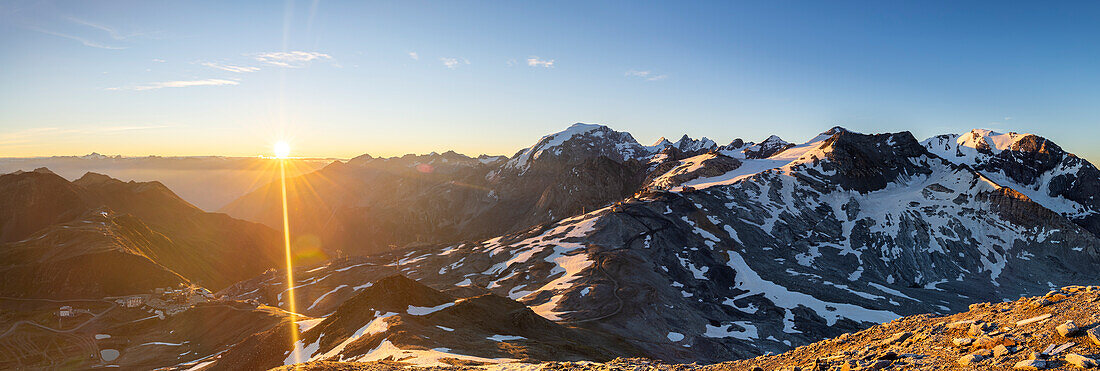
[(898, 337), (970, 359), (1002, 350), (1081, 361), (1094, 335), (1068, 329), (986, 342), (962, 342), (1031, 364), (979, 328), (960, 324)]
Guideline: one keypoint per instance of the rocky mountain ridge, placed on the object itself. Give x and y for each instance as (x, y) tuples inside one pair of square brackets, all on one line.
[(87, 238), (830, 236)]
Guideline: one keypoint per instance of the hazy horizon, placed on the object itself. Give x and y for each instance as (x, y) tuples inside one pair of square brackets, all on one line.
[(306, 156)]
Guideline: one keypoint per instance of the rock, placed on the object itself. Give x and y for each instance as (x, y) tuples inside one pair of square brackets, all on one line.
[(1002, 350), (1081, 361), (888, 356), (1068, 329), (757, 368), (877, 365), (1061, 348), (960, 324), (1033, 320), (1039, 302), (970, 359), (897, 338), (979, 328), (1031, 364), (962, 342), (853, 365), (1037, 355), (975, 331), (1094, 335), (986, 342)]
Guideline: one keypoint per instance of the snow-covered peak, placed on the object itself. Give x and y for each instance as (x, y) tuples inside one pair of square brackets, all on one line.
[(660, 144), (767, 148), (583, 140), (1029, 164), (997, 141), (838, 129), (736, 148), (686, 144), (972, 148), (97, 156), (787, 157)]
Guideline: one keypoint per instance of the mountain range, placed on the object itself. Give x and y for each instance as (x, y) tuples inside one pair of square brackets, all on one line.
[(685, 251)]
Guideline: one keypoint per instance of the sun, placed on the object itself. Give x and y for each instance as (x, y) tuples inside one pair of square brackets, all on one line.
[(282, 149)]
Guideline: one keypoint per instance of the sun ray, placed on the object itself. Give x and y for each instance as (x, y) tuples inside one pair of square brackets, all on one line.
[(290, 283)]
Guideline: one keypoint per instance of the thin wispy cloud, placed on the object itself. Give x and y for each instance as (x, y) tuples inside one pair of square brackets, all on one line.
[(414, 56), (177, 84), (134, 128), (536, 62), (111, 31), (646, 75), (293, 59), (87, 40), (82, 40), (158, 60), (230, 68), (453, 63)]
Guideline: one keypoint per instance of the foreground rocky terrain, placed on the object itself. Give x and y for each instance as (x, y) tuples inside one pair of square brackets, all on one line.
[(1057, 331), (1060, 330)]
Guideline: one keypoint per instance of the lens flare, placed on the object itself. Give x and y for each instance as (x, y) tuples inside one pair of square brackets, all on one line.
[(282, 149)]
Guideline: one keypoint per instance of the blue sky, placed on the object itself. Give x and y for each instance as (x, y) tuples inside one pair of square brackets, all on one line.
[(343, 78)]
